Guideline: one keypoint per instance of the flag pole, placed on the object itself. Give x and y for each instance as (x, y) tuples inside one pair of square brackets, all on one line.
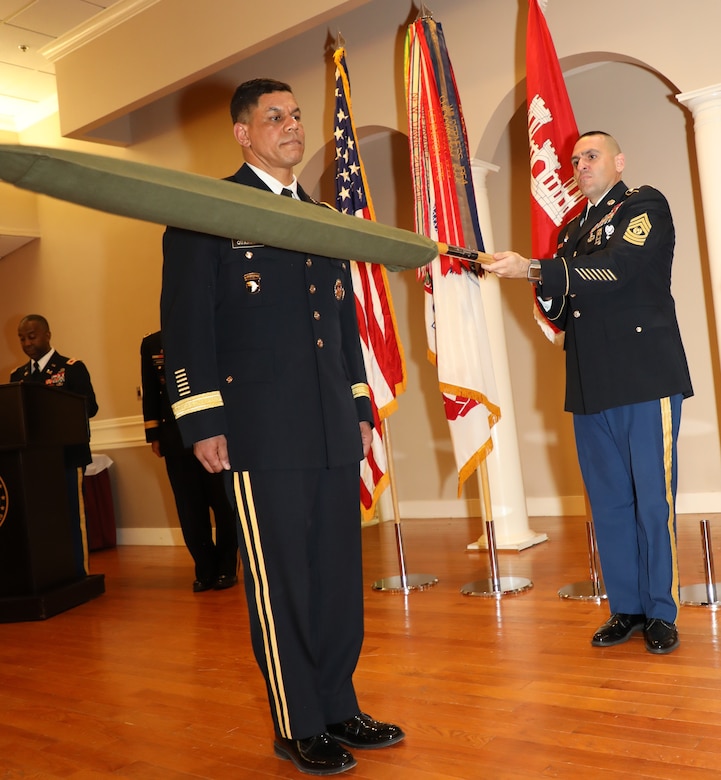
[(494, 586), (464, 253), (424, 12), (402, 583)]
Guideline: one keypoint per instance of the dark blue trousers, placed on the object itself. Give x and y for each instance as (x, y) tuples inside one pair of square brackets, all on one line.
[(196, 492), (300, 544), (628, 462)]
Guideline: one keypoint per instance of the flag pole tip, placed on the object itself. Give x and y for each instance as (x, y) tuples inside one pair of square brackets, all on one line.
[(424, 12), (339, 41)]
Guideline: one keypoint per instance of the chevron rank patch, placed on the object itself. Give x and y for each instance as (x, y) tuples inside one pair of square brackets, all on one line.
[(638, 230)]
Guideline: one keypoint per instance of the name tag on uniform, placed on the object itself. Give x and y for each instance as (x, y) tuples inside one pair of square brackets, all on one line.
[(237, 243)]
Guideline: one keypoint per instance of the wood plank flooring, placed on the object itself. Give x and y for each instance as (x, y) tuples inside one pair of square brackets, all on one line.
[(153, 682)]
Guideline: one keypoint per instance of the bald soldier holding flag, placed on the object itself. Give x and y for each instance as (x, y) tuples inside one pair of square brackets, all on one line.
[(609, 289)]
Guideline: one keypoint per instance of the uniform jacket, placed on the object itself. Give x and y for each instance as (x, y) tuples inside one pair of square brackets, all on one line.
[(610, 285), (65, 374), (160, 425), (261, 345)]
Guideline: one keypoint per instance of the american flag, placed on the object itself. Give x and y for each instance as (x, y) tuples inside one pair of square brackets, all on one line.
[(382, 350)]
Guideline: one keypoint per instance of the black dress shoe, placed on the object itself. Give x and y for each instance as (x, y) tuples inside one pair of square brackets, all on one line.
[(200, 585), (225, 581), (661, 637), (361, 731), (320, 755), (619, 628)]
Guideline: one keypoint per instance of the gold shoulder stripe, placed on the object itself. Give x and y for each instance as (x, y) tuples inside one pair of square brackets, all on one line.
[(197, 403), (361, 390), (638, 230)]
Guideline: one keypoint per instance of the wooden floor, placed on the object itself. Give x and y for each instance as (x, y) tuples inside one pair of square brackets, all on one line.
[(152, 682)]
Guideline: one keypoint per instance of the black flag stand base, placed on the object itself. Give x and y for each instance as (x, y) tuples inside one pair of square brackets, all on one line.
[(593, 589), (403, 583), (706, 594), (495, 585)]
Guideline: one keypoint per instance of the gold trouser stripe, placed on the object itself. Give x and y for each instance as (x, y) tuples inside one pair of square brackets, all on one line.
[(83, 520), (667, 425), (251, 534)]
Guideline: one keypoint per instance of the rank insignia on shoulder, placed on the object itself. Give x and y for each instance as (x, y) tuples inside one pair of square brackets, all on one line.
[(638, 230), (252, 283), (339, 290)]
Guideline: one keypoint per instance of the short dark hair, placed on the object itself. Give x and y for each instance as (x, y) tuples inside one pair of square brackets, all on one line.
[(615, 146), (246, 96), (594, 132), (36, 318)]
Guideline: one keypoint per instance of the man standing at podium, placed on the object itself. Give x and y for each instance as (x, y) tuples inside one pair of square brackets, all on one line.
[(48, 367)]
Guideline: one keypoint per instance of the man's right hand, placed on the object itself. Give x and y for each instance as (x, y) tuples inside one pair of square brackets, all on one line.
[(509, 265), (213, 454)]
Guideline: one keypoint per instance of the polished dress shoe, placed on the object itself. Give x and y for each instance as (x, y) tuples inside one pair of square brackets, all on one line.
[(319, 755), (200, 585), (619, 628), (225, 581), (361, 731), (661, 637)]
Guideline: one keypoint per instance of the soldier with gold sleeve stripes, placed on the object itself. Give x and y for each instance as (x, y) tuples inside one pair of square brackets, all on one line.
[(266, 378), (609, 290)]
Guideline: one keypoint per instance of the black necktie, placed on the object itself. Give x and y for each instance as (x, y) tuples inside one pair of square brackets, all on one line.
[(286, 192), (36, 367)]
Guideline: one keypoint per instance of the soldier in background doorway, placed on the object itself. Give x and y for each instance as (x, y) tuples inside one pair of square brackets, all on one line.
[(196, 491)]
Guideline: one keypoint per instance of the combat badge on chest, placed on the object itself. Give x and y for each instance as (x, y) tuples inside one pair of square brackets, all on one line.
[(252, 283)]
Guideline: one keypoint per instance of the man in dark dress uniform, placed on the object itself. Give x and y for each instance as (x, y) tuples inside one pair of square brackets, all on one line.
[(48, 367), (609, 289), (266, 377), (195, 490)]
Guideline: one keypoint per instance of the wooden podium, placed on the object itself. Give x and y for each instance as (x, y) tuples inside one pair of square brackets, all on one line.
[(38, 577)]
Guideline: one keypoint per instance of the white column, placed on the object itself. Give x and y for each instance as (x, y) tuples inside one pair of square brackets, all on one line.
[(508, 498), (705, 105)]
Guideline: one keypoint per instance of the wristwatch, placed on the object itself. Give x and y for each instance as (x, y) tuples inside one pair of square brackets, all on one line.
[(534, 272)]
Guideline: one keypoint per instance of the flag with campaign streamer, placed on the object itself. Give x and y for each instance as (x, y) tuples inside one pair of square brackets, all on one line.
[(552, 134), (445, 210), (382, 350)]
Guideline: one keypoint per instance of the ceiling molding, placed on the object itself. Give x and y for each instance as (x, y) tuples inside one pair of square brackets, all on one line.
[(94, 28)]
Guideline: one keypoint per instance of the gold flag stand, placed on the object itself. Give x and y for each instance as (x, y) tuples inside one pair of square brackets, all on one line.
[(496, 585)]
